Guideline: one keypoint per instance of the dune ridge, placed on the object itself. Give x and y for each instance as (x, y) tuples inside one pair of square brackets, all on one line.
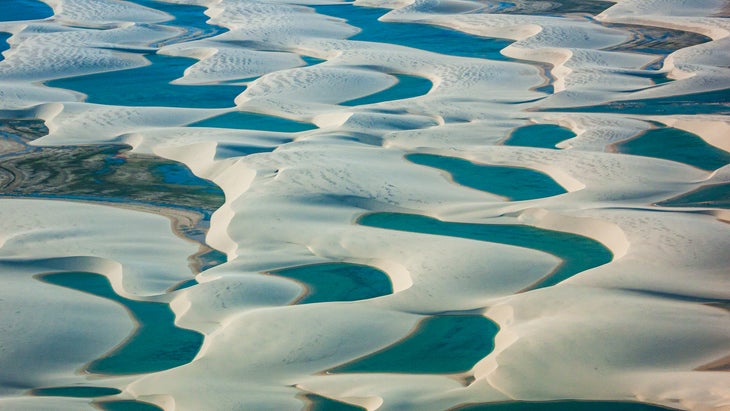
[(643, 327)]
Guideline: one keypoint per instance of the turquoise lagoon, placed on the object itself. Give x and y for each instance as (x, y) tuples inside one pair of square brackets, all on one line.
[(4, 43), (75, 391), (445, 344), (407, 87), (25, 10), (514, 183), (419, 36), (538, 136), (157, 343), (338, 282), (578, 253), (150, 86), (440, 343), (676, 145)]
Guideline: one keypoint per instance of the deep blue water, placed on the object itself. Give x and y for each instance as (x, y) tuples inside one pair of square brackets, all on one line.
[(240, 150), (338, 282), (711, 102), (157, 344), (150, 86), (710, 195), (407, 87), (515, 183), (440, 345), (254, 121), (538, 136), (14, 10), (75, 391), (319, 403), (127, 405), (677, 145), (577, 252), (420, 36), (190, 19), (4, 43)]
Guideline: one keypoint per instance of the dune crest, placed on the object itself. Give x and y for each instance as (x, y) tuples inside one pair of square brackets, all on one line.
[(382, 205)]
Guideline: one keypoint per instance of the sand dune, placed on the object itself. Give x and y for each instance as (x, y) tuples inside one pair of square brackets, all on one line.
[(356, 139)]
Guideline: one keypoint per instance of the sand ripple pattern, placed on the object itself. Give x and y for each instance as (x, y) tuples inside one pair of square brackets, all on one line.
[(543, 222)]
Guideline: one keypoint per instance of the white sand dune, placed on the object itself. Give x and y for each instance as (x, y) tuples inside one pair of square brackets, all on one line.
[(49, 332), (220, 62), (682, 336), (116, 239), (103, 12), (41, 403), (651, 325)]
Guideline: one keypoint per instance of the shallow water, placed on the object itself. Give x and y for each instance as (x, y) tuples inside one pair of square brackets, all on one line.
[(156, 344), (494, 179), (577, 252)]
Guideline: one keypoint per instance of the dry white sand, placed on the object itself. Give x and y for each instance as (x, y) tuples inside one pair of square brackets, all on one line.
[(635, 329)]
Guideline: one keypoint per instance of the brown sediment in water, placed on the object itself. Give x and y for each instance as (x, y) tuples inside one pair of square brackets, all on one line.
[(24, 129), (107, 175), (106, 172), (722, 364), (182, 223), (706, 196), (591, 7), (724, 11), (465, 378)]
